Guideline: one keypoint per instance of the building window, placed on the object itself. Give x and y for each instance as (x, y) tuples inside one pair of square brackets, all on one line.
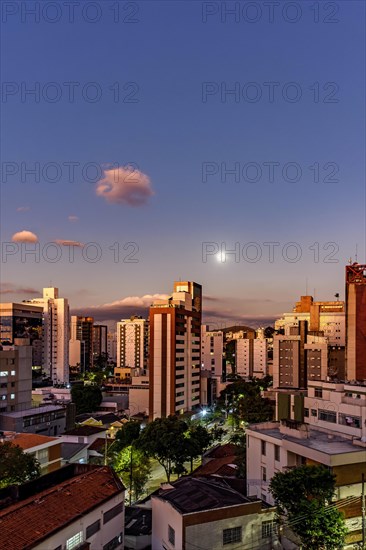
[(12, 396), (171, 535), (92, 529), (114, 543), (277, 452), (348, 420), (263, 447), (42, 456), (113, 512), (328, 416), (231, 535), (306, 413), (264, 474), (267, 529), (314, 412), (318, 392), (74, 541), (12, 373)]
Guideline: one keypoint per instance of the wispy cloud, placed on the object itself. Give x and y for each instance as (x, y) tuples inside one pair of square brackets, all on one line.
[(24, 237), (125, 185), (73, 218), (10, 288), (23, 208), (123, 308), (64, 242)]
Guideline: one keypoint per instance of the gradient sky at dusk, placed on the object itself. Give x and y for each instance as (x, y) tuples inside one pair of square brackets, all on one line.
[(169, 132)]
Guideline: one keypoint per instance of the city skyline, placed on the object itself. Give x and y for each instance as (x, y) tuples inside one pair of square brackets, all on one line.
[(223, 167)]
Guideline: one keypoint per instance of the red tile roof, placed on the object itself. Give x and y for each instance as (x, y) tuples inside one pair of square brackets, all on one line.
[(223, 450), (28, 441), (25, 524), (216, 466), (85, 430)]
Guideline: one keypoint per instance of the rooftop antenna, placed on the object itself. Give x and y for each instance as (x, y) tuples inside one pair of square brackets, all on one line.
[(356, 255), (306, 287), (314, 294)]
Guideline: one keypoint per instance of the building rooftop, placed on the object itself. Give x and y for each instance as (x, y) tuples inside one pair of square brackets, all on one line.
[(70, 449), (317, 440), (26, 440), (105, 417), (35, 410), (138, 521), (222, 451), (85, 430), (193, 494), (29, 521)]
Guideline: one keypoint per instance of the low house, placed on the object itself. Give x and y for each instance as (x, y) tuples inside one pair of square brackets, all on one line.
[(47, 450), (210, 514), (77, 506)]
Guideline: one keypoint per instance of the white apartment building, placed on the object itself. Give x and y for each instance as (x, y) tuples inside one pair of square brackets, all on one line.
[(212, 348), (338, 407), (194, 513), (132, 343), (56, 331), (251, 357), (333, 434)]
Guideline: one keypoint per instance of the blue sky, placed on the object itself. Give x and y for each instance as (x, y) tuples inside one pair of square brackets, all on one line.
[(163, 60)]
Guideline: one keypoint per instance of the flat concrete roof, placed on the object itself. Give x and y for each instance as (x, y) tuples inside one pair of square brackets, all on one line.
[(331, 444)]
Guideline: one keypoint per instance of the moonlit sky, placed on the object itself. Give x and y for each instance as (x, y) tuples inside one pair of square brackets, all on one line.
[(169, 134)]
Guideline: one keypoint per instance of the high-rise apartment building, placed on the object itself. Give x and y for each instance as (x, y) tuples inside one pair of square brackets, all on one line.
[(99, 340), (15, 378), (22, 320), (212, 349), (133, 343), (82, 329), (356, 322), (326, 317), (301, 356), (56, 333), (251, 357), (112, 346), (175, 351)]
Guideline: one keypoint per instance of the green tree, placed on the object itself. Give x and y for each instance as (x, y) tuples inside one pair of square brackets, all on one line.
[(164, 440), (86, 398), (303, 495), (239, 440), (244, 401), (197, 440), (16, 466), (127, 435), (134, 468)]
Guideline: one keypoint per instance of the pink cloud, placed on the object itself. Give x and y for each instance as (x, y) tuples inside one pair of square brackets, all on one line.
[(23, 208), (24, 237), (64, 242), (73, 218), (125, 185)]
